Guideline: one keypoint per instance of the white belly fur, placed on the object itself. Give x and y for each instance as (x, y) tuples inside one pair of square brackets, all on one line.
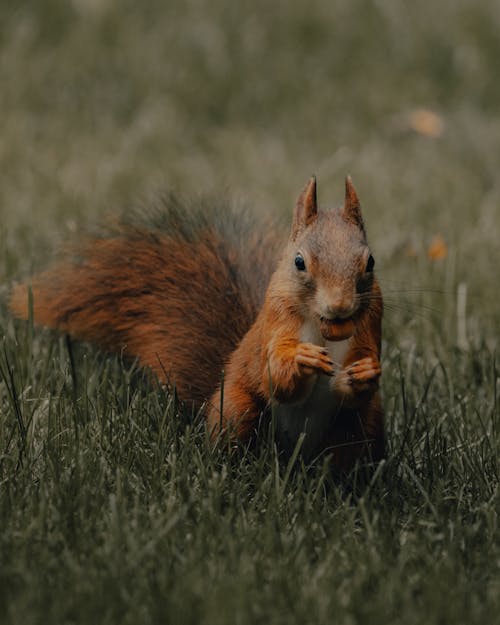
[(315, 412)]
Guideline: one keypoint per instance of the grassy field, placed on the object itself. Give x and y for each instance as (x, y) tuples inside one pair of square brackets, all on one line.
[(113, 507)]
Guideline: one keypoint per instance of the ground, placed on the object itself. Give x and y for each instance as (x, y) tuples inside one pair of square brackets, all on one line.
[(113, 507)]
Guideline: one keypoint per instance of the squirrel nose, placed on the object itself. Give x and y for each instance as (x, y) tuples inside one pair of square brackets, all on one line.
[(335, 303), (341, 311), (339, 304)]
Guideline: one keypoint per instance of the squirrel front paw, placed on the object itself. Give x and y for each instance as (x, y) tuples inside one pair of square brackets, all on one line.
[(361, 376), (291, 367), (313, 359)]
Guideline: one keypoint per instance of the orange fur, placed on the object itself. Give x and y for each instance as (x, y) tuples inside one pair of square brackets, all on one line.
[(191, 307), (265, 368), (156, 297)]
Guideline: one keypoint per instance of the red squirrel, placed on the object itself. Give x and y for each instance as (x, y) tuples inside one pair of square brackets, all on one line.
[(208, 306)]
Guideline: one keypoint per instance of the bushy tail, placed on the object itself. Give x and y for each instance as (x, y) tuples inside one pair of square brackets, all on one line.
[(178, 294)]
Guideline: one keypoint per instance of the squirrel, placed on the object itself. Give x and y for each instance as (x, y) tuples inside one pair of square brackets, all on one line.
[(206, 303)]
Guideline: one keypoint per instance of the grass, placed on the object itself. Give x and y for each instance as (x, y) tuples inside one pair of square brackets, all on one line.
[(113, 507)]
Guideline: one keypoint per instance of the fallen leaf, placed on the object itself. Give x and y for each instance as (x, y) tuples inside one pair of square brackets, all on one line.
[(426, 122), (437, 249)]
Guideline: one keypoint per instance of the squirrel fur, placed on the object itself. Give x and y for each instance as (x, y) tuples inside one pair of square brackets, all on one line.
[(207, 303)]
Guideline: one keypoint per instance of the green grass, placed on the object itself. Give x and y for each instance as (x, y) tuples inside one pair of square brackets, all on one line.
[(113, 507)]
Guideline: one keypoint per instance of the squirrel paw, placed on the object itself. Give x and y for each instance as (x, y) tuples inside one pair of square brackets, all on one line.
[(359, 377), (313, 359), (363, 375)]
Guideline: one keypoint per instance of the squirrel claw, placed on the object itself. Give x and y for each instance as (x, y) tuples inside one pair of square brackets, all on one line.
[(361, 376), (366, 370), (314, 359)]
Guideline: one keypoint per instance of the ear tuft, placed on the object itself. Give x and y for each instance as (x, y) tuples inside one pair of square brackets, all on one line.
[(306, 209), (351, 211)]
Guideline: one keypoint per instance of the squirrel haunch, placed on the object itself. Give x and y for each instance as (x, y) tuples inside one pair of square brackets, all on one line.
[(299, 335)]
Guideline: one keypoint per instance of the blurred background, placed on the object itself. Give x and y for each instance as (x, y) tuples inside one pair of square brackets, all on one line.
[(106, 103)]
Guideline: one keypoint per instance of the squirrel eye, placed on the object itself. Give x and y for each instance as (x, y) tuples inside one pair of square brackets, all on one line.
[(370, 264), (300, 262)]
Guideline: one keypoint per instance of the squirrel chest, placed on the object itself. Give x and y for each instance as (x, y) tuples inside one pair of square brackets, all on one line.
[(316, 411)]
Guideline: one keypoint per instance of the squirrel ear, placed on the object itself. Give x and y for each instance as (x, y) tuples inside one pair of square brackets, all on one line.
[(351, 211), (306, 209)]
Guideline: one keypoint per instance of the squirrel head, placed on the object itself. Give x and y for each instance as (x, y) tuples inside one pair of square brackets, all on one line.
[(329, 262)]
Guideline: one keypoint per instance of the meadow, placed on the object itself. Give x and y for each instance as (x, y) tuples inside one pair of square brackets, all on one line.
[(113, 506)]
